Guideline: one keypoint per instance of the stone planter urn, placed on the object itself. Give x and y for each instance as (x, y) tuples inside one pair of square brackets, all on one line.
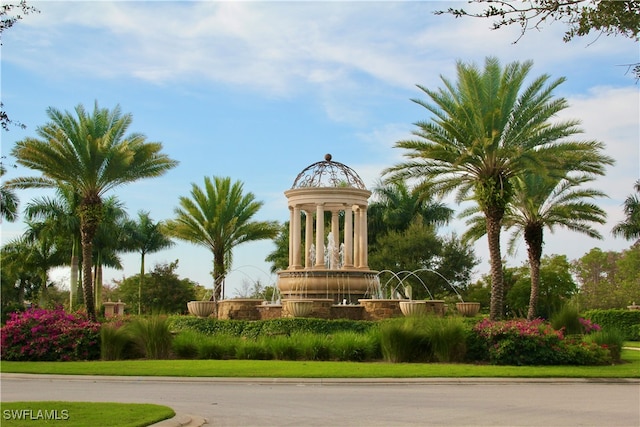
[(201, 308), (468, 309), (300, 307), (413, 308)]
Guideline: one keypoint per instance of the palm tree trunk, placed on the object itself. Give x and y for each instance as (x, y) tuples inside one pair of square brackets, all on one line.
[(87, 277), (90, 213), (73, 279), (533, 236), (140, 284), (494, 224)]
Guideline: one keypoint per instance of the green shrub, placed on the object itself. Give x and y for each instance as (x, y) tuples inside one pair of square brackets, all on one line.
[(218, 347), (282, 347), (568, 318), (610, 338), (249, 349), (404, 340), (185, 344), (447, 336), (115, 342), (151, 335), (352, 346), (312, 346), (627, 321)]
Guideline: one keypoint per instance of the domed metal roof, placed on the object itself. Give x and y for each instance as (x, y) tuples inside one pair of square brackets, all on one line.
[(328, 173)]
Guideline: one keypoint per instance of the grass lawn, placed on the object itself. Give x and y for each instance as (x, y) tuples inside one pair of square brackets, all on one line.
[(82, 414), (306, 369)]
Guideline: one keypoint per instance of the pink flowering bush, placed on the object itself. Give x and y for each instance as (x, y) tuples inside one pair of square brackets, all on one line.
[(536, 342), (49, 335)]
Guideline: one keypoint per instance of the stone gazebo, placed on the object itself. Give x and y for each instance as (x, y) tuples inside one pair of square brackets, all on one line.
[(328, 264)]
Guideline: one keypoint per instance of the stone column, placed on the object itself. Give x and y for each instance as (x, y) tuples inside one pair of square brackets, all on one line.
[(356, 237), (364, 237), (320, 236), (308, 239), (296, 238), (348, 237), (334, 257), (291, 234)]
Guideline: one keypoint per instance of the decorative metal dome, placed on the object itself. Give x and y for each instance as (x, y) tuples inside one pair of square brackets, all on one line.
[(328, 173)]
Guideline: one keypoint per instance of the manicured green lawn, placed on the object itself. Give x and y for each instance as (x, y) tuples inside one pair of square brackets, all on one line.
[(306, 369), (82, 414)]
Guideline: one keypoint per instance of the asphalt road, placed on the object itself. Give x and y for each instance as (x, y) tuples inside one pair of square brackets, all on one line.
[(291, 402)]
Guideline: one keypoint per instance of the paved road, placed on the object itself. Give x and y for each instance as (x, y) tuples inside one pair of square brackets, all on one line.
[(427, 402)]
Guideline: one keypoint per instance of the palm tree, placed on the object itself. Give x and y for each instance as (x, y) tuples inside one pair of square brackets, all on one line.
[(145, 236), (397, 206), (8, 200), (630, 227), (60, 215), (107, 242), (486, 130), (541, 202), (91, 153), (219, 217)]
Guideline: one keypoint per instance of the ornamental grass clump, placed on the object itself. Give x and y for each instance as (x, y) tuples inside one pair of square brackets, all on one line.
[(152, 336), (50, 335)]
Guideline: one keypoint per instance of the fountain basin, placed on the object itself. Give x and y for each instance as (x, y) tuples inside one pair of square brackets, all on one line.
[(201, 308), (336, 285), (468, 309)]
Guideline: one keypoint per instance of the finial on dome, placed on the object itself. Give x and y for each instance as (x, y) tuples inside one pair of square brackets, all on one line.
[(327, 157)]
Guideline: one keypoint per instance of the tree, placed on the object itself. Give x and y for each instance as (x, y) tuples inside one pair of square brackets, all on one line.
[(396, 206), (630, 227), (581, 16), (556, 287), (431, 264), (488, 129), (91, 153), (219, 217), (164, 291), (608, 279), (60, 215), (8, 201), (145, 237), (540, 202)]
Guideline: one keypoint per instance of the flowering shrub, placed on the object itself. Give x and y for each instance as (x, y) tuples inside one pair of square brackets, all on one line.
[(588, 326), (535, 342), (52, 335)]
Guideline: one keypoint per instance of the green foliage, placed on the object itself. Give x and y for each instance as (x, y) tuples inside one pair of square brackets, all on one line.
[(273, 327), (567, 319), (185, 344), (152, 336), (611, 338), (113, 341), (608, 279), (626, 321), (524, 342), (162, 291), (423, 339)]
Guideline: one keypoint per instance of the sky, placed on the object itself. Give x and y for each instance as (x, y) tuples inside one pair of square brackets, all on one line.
[(258, 91)]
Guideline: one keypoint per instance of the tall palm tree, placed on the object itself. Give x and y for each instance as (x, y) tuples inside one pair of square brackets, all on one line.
[(541, 202), (487, 129), (219, 217), (630, 227), (145, 237), (92, 153), (8, 200)]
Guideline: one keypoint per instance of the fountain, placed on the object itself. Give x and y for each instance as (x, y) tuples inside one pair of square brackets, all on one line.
[(329, 268)]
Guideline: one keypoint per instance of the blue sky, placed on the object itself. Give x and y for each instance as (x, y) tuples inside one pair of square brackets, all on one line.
[(257, 91)]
